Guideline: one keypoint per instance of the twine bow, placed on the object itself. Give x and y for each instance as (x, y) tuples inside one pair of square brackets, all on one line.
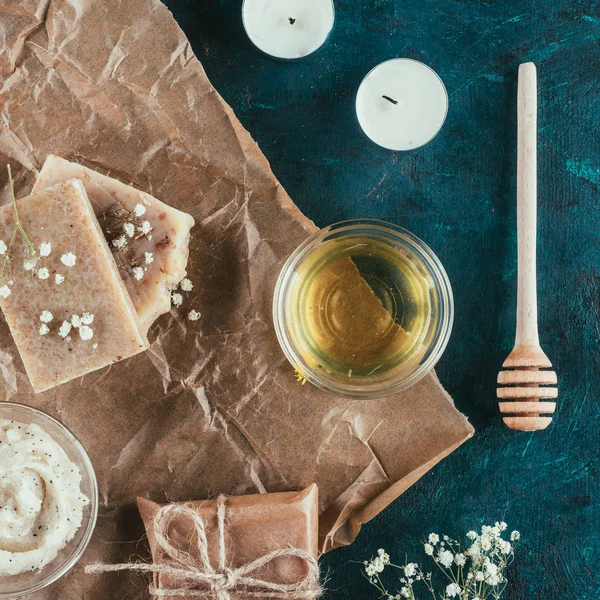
[(197, 577)]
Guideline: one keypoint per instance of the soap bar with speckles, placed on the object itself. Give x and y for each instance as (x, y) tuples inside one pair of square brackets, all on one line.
[(168, 241), (63, 216)]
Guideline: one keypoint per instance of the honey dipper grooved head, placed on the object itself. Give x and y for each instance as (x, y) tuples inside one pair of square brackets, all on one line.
[(522, 398)]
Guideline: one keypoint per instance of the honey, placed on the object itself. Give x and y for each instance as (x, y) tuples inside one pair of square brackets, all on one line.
[(361, 308)]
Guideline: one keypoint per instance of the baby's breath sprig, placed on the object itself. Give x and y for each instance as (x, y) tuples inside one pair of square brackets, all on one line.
[(473, 571), (31, 256), (122, 226)]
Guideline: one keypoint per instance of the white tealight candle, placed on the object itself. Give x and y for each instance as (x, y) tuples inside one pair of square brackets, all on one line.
[(401, 104), (288, 28)]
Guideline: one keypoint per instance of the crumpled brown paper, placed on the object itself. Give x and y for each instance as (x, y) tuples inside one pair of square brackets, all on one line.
[(213, 407)]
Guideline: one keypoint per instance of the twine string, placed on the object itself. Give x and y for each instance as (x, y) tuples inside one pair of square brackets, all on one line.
[(197, 577)]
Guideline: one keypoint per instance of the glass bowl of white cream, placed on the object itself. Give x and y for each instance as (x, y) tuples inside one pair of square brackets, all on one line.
[(48, 500)]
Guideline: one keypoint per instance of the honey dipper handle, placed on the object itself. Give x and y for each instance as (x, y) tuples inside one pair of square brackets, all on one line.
[(527, 328)]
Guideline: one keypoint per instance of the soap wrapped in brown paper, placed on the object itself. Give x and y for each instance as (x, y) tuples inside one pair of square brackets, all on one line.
[(254, 526), (212, 407)]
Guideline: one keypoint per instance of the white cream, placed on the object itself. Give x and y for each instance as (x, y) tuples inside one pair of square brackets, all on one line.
[(41, 504)]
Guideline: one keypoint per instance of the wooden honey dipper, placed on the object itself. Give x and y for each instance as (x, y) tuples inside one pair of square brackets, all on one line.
[(522, 400)]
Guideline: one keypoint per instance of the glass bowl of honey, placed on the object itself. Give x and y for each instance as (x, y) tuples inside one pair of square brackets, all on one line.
[(363, 309)]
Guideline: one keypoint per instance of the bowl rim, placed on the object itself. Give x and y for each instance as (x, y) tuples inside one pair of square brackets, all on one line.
[(94, 502), (445, 321)]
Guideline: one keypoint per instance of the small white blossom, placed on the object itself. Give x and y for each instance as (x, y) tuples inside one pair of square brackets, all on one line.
[(405, 592), (86, 333), (429, 549), (139, 210), (3, 248), (504, 546), (446, 558), (460, 560), (138, 273), (515, 536), (472, 535), (29, 263), (44, 329), (148, 258), (58, 278), (479, 576), (5, 291), (45, 248), (65, 328), (410, 569), (186, 285), (94, 345), (43, 273), (119, 242), (68, 259), (76, 321), (453, 590), (194, 315), (145, 227), (46, 316), (502, 526), (87, 318), (177, 299), (434, 538), (129, 229)]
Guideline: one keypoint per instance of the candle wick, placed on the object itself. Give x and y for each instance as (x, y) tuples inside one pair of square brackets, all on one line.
[(390, 99), (292, 20)]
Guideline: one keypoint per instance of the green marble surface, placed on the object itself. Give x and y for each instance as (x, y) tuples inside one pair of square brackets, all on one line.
[(458, 194)]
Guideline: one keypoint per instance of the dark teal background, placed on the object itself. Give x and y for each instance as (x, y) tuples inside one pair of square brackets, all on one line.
[(458, 194)]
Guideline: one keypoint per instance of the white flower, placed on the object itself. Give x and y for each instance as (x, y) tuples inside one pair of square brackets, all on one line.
[(177, 299), (479, 576), (434, 538), (87, 318), (460, 560), (429, 549), (5, 291), (504, 546), (129, 229), (65, 328), (45, 248), (472, 535), (410, 569), (486, 543), (138, 273), (453, 590), (29, 263), (378, 564), (515, 536), (86, 333), (44, 329), (493, 580), (193, 315), (119, 242), (58, 278), (3, 247), (145, 227), (46, 316), (186, 285), (489, 567), (148, 258), (405, 592), (139, 210), (446, 558), (501, 526), (94, 345), (68, 259), (76, 321), (43, 273), (385, 557)]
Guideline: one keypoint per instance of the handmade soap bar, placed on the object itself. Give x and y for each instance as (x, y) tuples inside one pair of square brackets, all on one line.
[(254, 526), (149, 239), (69, 313)]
